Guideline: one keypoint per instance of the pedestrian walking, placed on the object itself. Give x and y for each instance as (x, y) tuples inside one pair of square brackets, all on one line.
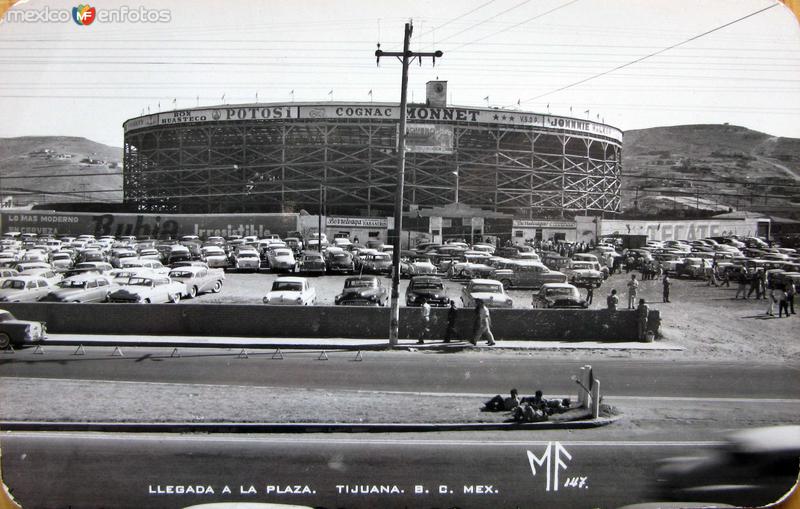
[(484, 324), (666, 282), (774, 298), (762, 283), (612, 301), (642, 312), (451, 323), (791, 291), (633, 289), (426, 321), (783, 302), (741, 280), (589, 295), (754, 283)]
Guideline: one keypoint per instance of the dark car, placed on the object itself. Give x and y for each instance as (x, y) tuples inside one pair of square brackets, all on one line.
[(754, 467), (428, 288), (363, 291), (376, 263), (18, 332), (558, 295), (339, 262), (311, 263)]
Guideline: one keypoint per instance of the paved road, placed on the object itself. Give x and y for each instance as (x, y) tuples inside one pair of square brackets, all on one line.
[(84, 470), (473, 372)]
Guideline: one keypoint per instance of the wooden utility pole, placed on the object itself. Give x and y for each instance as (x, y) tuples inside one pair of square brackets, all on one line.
[(406, 57)]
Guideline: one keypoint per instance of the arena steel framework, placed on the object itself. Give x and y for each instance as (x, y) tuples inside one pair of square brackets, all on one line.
[(285, 157)]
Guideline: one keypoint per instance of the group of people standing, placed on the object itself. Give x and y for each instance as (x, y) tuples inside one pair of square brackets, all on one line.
[(780, 295), (482, 325)]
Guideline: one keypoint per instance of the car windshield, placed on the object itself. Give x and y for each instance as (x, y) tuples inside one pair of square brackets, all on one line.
[(71, 284), (283, 252), (360, 283), (287, 286), (248, 255), (13, 284), (379, 257), (428, 285), (581, 265), (5, 316), (341, 256), (559, 292), (140, 281), (182, 274), (486, 288), (312, 258)]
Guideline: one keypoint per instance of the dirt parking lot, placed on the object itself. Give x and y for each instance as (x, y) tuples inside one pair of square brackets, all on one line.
[(705, 320)]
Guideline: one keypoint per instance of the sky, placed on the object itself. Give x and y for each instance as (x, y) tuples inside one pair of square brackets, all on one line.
[(632, 64)]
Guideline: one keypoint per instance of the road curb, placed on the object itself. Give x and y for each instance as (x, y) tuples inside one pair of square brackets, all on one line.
[(230, 427)]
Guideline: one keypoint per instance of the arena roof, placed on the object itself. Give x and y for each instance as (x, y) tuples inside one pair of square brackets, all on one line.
[(272, 112)]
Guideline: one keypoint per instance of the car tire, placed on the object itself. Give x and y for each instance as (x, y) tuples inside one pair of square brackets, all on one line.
[(5, 341), (217, 287), (193, 292)]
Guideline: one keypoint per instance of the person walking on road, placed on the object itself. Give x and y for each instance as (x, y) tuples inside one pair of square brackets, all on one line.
[(633, 289), (426, 321), (783, 301), (589, 294), (754, 283), (484, 324), (612, 301), (791, 291), (642, 312), (666, 282), (451, 323), (741, 279)]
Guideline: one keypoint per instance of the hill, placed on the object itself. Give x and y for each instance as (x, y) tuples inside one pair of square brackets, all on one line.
[(710, 167), (44, 169)]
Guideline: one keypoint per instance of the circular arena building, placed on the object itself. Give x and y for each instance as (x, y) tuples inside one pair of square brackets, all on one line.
[(284, 157)]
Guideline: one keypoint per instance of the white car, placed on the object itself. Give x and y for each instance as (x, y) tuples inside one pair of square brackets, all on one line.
[(154, 265), (24, 289), (198, 279), (282, 259), (491, 292), (155, 290), (247, 259), (50, 275), (291, 291), (61, 261)]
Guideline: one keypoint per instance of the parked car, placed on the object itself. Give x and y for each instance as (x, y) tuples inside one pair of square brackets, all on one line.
[(19, 332), (691, 267), (416, 265), (91, 287), (50, 275), (153, 265), (524, 274), (215, 256), (340, 262), (311, 263), (148, 290), (80, 268), (177, 253), (291, 291), (490, 291), (294, 243), (247, 259), (61, 261), (428, 288), (376, 263), (558, 295), (198, 279), (281, 260), (584, 274), (24, 289), (363, 291)]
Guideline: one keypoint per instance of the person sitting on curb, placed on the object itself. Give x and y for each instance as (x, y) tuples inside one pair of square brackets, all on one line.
[(500, 404)]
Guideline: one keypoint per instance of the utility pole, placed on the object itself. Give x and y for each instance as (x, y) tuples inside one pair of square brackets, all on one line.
[(406, 57)]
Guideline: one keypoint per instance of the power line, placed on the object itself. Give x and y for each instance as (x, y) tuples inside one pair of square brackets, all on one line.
[(484, 21), (686, 41)]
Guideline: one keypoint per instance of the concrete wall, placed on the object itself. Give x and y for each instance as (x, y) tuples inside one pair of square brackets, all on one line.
[(321, 321)]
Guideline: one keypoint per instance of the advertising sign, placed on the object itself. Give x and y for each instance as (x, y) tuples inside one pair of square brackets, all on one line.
[(429, 138), (148, 225), (370, 111), (525, 223), (357, 222)]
